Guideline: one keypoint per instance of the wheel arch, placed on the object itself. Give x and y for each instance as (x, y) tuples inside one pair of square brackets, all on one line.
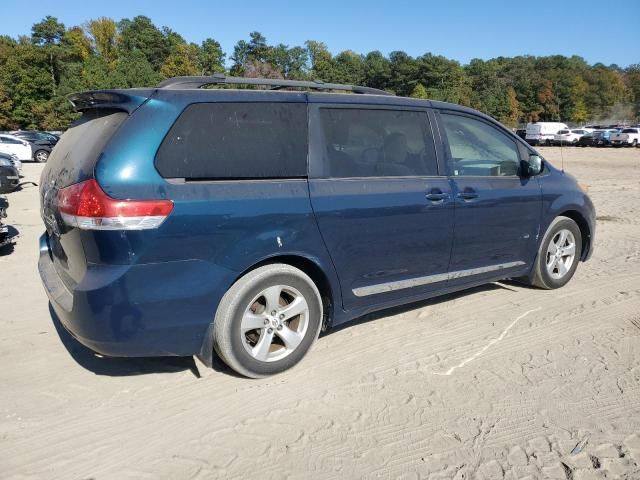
[(329, 293), (314, 271), (585, 230)]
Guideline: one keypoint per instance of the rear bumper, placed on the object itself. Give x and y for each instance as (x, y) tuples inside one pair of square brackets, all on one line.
[(137, 310)]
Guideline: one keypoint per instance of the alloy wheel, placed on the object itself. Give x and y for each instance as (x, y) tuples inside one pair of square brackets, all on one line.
[(42, 156), (274, 323), (561, 254)]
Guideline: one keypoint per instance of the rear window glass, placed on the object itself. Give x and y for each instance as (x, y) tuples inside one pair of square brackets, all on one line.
[(75, 155), (235, 141), (629, 130)]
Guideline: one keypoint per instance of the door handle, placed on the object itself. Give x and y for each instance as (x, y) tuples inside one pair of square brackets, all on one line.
[(436, 195), (468, 194)]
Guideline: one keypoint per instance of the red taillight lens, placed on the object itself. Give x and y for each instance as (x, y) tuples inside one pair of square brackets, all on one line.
[(85, 205)]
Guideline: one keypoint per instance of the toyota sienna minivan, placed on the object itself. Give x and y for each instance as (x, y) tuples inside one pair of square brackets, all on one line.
[(183, 220)]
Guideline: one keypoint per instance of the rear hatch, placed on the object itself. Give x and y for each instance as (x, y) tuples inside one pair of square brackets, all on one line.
[(72, 161)]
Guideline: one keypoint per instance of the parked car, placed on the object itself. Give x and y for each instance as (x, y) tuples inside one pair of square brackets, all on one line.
[(569, 137), (627, 137), (587, 140), (601, 138), (16, 146), (13, 159), (542, 133), (9, 174), (7, 234), (41, 143), (255, 218)]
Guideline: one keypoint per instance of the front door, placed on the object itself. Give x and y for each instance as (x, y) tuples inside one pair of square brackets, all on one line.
[(497, 211), (384, 208)]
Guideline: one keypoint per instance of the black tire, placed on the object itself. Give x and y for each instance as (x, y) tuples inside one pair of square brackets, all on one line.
[(5, 185), (229, 341), (541, 277), (634, 143), (41, 156)]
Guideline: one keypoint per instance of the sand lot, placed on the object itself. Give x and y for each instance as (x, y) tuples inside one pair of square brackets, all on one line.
[(498, 382)]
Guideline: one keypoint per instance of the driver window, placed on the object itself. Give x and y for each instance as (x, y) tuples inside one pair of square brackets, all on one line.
[(377, 143), (478, 149)]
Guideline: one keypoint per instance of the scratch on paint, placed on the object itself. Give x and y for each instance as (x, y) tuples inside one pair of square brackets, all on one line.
[(279, 242), (488, 345)]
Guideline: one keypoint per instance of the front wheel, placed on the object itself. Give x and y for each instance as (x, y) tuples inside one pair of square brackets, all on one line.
[(41, 156), (267, 321), (559, 254)]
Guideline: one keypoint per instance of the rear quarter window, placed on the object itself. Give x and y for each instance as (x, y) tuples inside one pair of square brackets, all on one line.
[(212, 141)]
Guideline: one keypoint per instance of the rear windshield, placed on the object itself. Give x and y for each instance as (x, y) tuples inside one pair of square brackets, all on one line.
[(236, 140), (75, 155)]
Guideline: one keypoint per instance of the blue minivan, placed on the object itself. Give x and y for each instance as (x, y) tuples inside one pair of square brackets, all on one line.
[(183, 220)]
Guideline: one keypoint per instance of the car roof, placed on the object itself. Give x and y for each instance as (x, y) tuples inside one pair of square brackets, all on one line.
[(133, 97)]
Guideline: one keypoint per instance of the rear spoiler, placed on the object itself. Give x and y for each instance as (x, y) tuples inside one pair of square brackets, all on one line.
[(127, 100)]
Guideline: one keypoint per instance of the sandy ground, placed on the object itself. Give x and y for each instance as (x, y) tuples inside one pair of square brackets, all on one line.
[(500, 381)]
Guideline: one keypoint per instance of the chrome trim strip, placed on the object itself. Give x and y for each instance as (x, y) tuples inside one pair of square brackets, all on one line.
[(440, 277)]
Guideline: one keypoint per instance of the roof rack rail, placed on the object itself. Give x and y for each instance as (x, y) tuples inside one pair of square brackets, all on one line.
[(275, 84)]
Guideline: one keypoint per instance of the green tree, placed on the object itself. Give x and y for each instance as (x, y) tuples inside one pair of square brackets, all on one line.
[(419, 91), (141, 34), (321, 66), (6, 109), (48, 34), (210, 57), (445, 79), (104, 36), (183, 60), (377, 70), (632, 80), (404, 73)]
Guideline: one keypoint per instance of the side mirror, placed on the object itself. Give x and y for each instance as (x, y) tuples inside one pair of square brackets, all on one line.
[(532, 167)]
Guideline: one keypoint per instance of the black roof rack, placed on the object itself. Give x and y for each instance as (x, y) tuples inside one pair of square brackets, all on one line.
[(275, 84)]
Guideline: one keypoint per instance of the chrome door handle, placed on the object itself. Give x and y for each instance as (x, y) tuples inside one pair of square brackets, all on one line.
[(468, 194), (436, 196)]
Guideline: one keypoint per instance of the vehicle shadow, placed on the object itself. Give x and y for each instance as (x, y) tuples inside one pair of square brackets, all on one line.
[(419, 304), (131, 366), (119, 367)]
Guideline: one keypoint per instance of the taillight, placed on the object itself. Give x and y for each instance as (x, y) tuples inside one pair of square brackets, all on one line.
[(86, 206)]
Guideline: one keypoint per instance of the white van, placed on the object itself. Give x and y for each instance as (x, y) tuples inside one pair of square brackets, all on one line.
[(541, 133)]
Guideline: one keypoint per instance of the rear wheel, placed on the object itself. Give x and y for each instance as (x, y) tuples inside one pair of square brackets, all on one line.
[(558, 255), (41, 156), (267, 321)]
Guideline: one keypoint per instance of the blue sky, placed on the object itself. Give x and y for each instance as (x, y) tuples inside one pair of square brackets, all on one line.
[(461, 30)]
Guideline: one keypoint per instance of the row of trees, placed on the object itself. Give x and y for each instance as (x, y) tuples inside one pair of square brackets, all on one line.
[(38, 71)]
